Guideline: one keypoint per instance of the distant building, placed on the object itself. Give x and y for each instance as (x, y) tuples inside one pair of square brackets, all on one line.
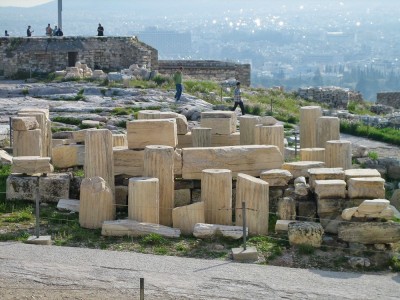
[(168, 43)]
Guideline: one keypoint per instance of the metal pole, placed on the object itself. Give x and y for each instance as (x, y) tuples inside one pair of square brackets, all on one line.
[(141, 288), (60, 14), (244, 224), (10, 132), (37, 209)]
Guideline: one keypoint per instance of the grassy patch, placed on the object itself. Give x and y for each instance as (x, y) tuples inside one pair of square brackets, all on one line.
[(5, 170), (67, 120), (305, 249), (269, 247)]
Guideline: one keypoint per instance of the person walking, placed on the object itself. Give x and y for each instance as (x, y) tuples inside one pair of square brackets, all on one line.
[(178, 83), (29, 31), (100, 30), (237, 97)]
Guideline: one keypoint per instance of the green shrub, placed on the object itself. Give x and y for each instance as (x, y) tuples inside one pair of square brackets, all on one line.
[(373, 155), (153, 239), (67, 120), (305, 249)]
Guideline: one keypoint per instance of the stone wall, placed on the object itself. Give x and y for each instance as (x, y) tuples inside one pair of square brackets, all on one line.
[(335, 97), (389, 98), (208, 69), (44, 54)]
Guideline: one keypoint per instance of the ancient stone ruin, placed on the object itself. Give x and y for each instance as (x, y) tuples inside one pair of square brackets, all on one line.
[(159, 166)]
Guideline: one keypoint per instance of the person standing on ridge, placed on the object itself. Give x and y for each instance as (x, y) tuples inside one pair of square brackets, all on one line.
[(6, 33), (29, 31), (178, 83), (100, 30), (237, 97), (49, 30)]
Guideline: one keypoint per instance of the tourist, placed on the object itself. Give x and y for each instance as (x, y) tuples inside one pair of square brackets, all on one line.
[(100, 30), (49, 30), (237, 96), (29, 31), (178, 83), (59, 32), (6, 33)]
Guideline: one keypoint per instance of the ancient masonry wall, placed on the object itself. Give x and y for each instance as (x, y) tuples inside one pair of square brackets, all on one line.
[(44, 55), (335, 97), (389, 98), (208, 69)]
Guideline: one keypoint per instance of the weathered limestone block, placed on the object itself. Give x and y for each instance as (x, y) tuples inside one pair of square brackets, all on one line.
[(186, 217), (79, 136), (144, 200), (216, 193), (221, 140), (182, 125), (159, 163), (201, 137), (91, 123), (369, 232), (120, 140), (270, 135), (67, 156), (308, 126), (282, 225), (121, 196), (148, 114), (330, 207), (312, 154), (247, 129), (24, 123), (348, 213), (301, 188), (331, 223), (300, 168), (354, 173), (276, 177), (128, 161), (267, 121), (366, 188), (61, 142), (136, 229), (21, 187), (309, 233), (204, 231), (54, 187), (331, 188), (325, 174), (27, 143), (338, 154), (221, 122), (68, 204), (99, 158), (96, 203), (375, 206), (182, 197), (254, 192), (185, 140), (142, 133), (328, 129), (286, 209), (5, 158), (31, 165), (250, 159), (178, 162)]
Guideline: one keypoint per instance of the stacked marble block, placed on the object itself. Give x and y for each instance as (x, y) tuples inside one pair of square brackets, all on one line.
[(337, 189), (223, 130)]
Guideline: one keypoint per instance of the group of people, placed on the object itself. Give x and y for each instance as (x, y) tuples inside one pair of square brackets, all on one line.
[(56, 31), (53, 32), (237, 93)]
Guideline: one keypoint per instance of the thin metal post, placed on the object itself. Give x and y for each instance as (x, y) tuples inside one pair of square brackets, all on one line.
[(10, 133), (141, 288), (37, 210), (244, 224)]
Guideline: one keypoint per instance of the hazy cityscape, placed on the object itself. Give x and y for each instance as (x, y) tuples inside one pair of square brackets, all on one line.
[(350, 44)]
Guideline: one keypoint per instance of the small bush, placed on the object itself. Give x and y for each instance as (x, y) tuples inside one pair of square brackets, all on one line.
[(305, 249), (395, 263), (153, 239), (67, 120), (25, 92), (373, 155)]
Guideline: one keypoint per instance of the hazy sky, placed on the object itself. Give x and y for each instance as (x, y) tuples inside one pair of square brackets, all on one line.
[(23, 3)]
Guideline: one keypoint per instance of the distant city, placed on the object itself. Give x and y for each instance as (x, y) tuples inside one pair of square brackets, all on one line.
[(349, 44)]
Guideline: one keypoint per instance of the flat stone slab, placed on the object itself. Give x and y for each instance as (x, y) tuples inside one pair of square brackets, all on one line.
[(68, 204), (354, 173), (300, 168), (276, 177), (366, 188), (282, 225), (332, 188), (203, 230), (369, 232), (242, 255), (41, 240), (325, 174)]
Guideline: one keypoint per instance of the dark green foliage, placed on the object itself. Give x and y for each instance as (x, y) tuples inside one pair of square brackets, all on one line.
[(67, 120), (388, 135)]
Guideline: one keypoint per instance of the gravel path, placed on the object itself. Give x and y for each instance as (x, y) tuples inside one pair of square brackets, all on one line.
[(50, 272)]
